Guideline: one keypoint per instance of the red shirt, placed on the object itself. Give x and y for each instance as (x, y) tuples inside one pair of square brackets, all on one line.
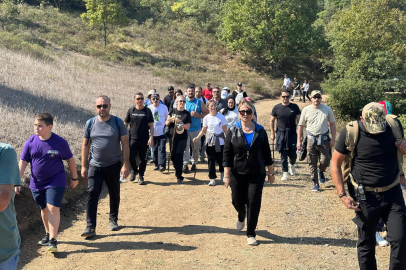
[(207, 93)]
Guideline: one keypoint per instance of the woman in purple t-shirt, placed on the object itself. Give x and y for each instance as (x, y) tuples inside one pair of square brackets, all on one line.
[(45, 151)]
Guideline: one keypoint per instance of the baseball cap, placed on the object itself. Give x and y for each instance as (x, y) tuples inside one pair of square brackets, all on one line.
[(171, 88), (386, 106), (374, 118), (151, 92), (239, 84), (315, 92), (226, 88), (224, 94)]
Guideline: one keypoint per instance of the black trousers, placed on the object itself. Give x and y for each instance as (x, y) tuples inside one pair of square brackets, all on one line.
[(246, 191), (96, 176), (159, 150), (178, 148), (291, 153), (212, 157), (140, 149), (390, 206), (306, 93)]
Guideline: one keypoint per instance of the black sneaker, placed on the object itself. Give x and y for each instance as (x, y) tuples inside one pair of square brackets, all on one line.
[(185, 168), (180, 181), (132, 178), (89, 232), (193, 168), (141, 180), (52, 246), (44, 241), (156, 168), (114, 226), (322, 179), (161, 168)]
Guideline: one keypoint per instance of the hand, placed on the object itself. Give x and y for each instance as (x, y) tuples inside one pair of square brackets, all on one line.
[(272, 136), (331, 144), (195, 139), (193, 113), (125, 171), (298, 146), (151, 141), (350, 203), (401, 146), (83, 172), (271, 178), (17, 189), (73, 184), (226, 181), (403, 180)]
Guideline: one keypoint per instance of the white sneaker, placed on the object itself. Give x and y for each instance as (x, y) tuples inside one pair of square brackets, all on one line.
[(285, 176), (292, 169), (380, 241), (212, 182), (252, 241), (240, 225), (221, 176)]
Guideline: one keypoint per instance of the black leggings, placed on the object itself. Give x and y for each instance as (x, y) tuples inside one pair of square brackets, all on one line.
[(306, 93), (177, 156)]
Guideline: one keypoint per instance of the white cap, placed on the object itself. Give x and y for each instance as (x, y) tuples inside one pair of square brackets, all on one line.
[(226, 88), (224, 94), (151, 92)]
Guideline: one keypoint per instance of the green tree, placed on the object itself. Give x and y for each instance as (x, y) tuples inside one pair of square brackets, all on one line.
[(104, 15)]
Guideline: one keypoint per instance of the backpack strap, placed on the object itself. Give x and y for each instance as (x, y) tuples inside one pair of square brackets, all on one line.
[(351, 140), (89, 125), (116, 119), (398, 134)]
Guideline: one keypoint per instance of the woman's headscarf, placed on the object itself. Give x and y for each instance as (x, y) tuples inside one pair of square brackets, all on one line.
[(225, 111)]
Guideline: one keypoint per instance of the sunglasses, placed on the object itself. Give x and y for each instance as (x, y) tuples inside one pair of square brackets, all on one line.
[(215, 91), (104, 106), (139, 98), (285, 96), (243, 112), (317, 97), (181, 101), (155, 99)]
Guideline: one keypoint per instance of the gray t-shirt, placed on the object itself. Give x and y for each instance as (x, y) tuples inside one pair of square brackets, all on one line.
[(105, 148), (316, 119)]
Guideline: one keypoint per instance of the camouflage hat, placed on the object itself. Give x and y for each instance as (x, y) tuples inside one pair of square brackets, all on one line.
[(315, 92), (374, 118)]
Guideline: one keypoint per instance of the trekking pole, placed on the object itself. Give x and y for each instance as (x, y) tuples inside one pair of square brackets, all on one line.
[(171, 145)]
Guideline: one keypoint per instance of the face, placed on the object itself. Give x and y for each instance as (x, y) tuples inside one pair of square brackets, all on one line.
[(245, 113), (41, 129), (103, 107), (208, 86), (198, 93), (190, 92), (230, 103), (139, 100), (155, 101), (216, 92), (170, 92), (180, 104), (239, 87), (316, 100), (285, 98), (212, 107)]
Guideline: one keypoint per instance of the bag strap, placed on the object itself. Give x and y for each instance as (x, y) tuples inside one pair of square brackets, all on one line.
[(398, 134), (351, 137), (89, 124), (116, 120)]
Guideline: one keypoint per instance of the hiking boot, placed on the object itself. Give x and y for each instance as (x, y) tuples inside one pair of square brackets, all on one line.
[(240, 225), (52, 246), (113, 226), (212, 182), (252, 241), (285, 176), (161, 168), (193, 168), (44, 241), (180, 181), (292, 169), (156, 168), (322, 179), (88, 232), (316, 188), (132, 178), (141, 180), (380, 240), (185, 169)]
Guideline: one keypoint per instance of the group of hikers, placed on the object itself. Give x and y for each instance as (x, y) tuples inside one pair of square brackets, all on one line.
[(223, 126)]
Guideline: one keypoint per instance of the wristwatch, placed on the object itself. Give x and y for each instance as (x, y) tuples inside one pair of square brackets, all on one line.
[(75, 179)]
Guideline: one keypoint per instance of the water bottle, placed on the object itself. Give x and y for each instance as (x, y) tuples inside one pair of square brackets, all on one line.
[(122, 179)]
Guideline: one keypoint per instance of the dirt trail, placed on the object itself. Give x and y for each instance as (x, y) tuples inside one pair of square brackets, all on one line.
[(192, 226)]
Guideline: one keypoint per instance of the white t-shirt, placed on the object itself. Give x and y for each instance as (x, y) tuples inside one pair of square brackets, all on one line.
[(286, 82), (316, 119), (215, 124), (305, 87), (231, 117), (159, 114)]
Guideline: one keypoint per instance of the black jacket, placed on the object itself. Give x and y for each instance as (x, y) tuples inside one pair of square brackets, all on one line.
[(245, 162)]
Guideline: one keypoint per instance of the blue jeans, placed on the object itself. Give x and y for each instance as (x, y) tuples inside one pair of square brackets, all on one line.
[(159, 150), (11, 264)]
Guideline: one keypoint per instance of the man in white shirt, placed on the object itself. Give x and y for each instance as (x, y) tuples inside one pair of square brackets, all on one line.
[(160, 114), (286, 83)]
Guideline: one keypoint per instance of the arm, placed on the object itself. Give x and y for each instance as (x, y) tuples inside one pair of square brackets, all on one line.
[(267, 155), (205, 112), (225, 129), (125, 147), (297, 118), (21, 165), (6, 191), (73, 172), (228, 158), (151, 130), (337, 176), (272, 127), (85, 156), (333, 133), (186, 126), (203, 131), (299, 137)]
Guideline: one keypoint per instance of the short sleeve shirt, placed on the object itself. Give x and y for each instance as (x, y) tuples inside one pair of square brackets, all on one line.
[(215, 124), (9, 175), (286, 116), (159, 114), (139, 123), (316, 119), (185, 117), (46, 159)]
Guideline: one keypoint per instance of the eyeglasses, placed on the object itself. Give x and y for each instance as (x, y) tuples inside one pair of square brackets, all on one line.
[(243, 112), (104, 106), (139, 98), (285, 96), (317, 97), (155, 99), (181, 101)]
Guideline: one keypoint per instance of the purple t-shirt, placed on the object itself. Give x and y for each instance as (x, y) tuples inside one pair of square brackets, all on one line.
[(46, 159)]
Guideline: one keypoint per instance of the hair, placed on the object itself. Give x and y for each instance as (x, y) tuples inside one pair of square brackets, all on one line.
[(138, 94), (178, 98), (198, 87), (306, 80), (209, 102), (179, 92), (207, 84), (246, 103), (285, 91), (217, 87), (46, 118), (104, 97)]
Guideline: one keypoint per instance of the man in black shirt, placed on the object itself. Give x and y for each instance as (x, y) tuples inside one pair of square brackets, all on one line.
[(287, 114), (141, 121), (220, 103), (296, 89), (373, 185), (169, 97)]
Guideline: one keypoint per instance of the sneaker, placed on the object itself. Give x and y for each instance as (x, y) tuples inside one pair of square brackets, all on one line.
[(151, 161), (156, 168), (185, 169), (132, 178), (285, 176), (240, 225), (316, 188), (161, 168), (190, 162), (113, 226), (193, 168), (221, 177), (292, 169), (141, 180), (44, 241), (380, 240), (252, 241), (88, 232), (202, 160), (212, 182), (322, 179), (180, 181), (52, 246)]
